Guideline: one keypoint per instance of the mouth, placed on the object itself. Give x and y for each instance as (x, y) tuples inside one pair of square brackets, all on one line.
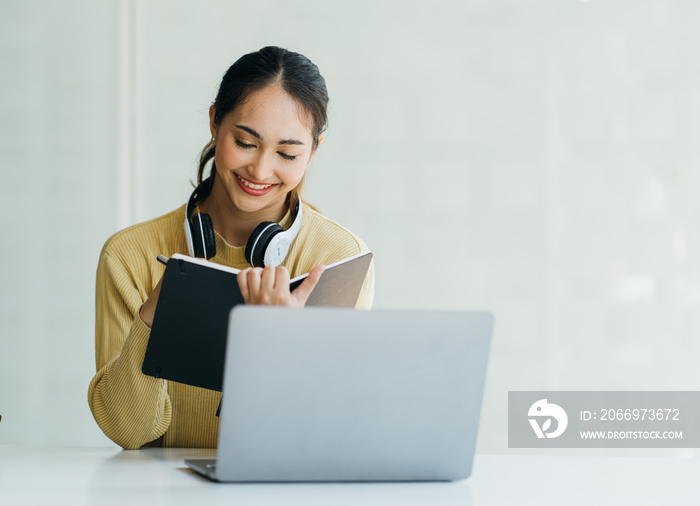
[(252, 188)]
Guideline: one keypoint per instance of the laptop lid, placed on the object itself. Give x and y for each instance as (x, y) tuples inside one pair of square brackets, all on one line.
[(328, 394)]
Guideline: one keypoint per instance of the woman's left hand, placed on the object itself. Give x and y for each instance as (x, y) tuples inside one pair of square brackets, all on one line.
[(270, 286)]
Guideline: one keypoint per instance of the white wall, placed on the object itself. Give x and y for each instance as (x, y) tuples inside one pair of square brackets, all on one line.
[(536, 158)]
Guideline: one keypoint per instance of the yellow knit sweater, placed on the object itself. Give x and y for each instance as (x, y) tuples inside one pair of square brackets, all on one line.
[(135, 410)]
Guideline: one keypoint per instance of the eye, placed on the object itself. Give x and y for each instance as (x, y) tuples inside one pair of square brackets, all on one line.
[(244, 145), (286, 156)]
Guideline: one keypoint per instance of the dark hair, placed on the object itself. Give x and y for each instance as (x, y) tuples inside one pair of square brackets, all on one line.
[(294, 72)]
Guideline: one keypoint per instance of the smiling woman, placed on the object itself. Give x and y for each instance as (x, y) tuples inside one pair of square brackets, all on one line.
[(266, 124)]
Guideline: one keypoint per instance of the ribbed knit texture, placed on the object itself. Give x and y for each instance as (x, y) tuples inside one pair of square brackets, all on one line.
[(135, 410)]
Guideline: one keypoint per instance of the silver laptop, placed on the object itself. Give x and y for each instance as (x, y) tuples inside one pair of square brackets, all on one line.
[(330, 394)]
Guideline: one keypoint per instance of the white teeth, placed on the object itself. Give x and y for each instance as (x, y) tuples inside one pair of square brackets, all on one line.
[(253, 186)]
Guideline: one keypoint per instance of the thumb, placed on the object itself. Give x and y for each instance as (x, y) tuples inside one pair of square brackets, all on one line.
[(301, 294)]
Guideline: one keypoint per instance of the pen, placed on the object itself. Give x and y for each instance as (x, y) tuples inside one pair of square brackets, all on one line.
[(162, 259)]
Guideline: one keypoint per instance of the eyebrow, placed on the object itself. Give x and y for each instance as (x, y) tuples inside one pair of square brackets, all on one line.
[(259, 137)]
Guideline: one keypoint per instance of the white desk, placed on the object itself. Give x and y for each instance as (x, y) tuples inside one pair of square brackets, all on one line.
[(108, 476)]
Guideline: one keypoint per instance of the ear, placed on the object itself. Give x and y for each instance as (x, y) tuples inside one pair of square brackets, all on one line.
[(313, 152), (213, 127)]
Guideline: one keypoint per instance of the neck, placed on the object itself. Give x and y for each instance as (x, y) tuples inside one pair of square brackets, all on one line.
[(234, 225)]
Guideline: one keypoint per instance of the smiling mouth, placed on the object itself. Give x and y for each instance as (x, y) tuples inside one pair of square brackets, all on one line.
[(253, 185)]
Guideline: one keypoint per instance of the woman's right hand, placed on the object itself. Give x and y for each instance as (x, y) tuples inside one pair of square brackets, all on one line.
[(148, 308)]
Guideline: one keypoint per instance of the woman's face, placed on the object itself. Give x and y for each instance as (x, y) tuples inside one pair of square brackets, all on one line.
[(263, 148)]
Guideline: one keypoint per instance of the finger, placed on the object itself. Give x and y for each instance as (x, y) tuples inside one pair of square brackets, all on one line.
[(267, 280), (301, 294), (243, 283), (281, 278), (253, 280)]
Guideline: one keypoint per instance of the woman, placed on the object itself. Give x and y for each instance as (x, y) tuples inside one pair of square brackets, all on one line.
[(266, 125)]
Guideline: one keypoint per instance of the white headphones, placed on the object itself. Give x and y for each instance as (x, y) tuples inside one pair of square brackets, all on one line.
[(267, 245)]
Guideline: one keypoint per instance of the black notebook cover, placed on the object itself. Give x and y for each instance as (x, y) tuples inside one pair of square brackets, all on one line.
[(188, 337)]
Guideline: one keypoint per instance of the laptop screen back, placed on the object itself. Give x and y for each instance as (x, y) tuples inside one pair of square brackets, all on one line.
[(336, 394)]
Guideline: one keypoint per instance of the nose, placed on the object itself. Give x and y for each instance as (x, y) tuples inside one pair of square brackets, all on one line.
[(261, 168)]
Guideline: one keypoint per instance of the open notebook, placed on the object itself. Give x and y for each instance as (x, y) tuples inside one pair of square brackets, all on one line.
[(188, 337)]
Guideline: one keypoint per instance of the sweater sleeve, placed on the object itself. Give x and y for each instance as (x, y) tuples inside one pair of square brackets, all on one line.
[(131, 408)]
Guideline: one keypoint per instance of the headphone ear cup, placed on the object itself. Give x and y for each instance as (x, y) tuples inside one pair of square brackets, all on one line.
[(258, 241), (203, 230)]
